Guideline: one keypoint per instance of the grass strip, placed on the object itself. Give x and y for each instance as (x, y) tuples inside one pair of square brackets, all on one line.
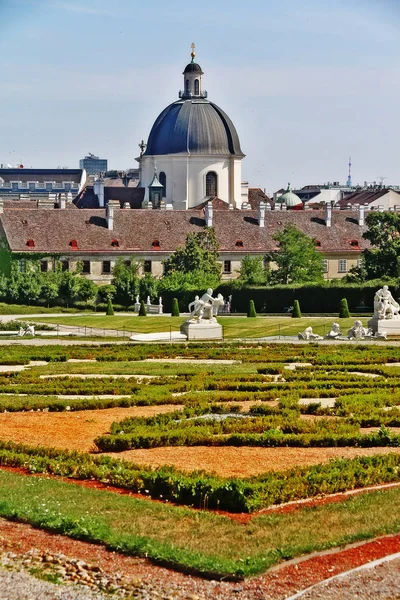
[(199, 542)]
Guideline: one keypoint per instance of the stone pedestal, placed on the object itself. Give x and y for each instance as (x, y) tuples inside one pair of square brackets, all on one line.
[(203, 330), (391, 326)]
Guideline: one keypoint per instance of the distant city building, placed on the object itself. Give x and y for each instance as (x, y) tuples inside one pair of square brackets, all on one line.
[(93, 164), (31, 183)]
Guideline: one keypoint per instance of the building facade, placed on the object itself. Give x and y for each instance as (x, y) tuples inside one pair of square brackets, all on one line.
[(93, 165)]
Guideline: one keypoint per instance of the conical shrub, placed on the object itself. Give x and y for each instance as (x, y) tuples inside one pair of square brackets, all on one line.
[(175, 308), (110, 308), (344, 312), (296, 313), (142, 309), (252, 309)]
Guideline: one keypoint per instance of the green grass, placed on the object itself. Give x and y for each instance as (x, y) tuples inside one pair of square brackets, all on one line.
[(233, 327), (23, 309), (204, 542)]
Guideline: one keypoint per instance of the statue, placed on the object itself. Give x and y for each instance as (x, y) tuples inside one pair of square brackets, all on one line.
[(205, 307), (334, 332), (385, 306), (358, 332), (308, 334), (148, 301)]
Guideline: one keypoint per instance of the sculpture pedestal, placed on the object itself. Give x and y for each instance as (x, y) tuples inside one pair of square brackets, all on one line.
[(203, 330), (391, 326)]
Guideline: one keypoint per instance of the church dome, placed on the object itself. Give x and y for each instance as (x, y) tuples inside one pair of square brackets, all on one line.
[(193, 67), (194, 126), (289, 198)]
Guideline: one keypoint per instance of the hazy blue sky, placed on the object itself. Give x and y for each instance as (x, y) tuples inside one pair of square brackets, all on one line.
[(307, 83)]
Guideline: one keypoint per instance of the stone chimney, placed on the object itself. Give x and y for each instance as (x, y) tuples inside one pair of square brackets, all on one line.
[(98, 189), (62, 201), (361, 215), (268, 206), (1, 206), (208, 214), (261, 214), (110, 216), (328, 214)]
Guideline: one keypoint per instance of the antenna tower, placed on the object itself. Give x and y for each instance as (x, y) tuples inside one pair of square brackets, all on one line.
[(348, 183)]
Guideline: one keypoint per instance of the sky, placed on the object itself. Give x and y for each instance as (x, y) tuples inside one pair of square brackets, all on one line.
[(307, 84)]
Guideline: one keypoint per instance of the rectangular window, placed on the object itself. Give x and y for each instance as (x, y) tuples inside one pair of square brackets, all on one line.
[(14, 185), (147, 266), (106, 269), (49, 185), (86, 267), (127, 263), (22, 265), (227, 266), (44, 266), (325, 265), (32, 185), (342, 265), (64, 265), (67, 185)]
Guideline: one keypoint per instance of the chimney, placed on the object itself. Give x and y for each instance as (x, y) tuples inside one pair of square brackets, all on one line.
[(361, 215), (261, 214), (328, 214), (62, 201), (283, 206), (268, 206), (98, 189), (1, 206), (208, 214), (110, 216)]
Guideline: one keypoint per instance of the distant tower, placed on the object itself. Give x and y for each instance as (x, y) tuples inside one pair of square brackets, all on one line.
[(348, 183)]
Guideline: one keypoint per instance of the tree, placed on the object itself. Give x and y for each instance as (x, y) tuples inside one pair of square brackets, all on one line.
[(110, 308), (148, 286), (142, 309), (69, 286), (252, 271), (126, 281), (344, 312), (296, 313), (252, 309), (175, 308), (383, 260), (87, 289), (297, 260), (199, 254)]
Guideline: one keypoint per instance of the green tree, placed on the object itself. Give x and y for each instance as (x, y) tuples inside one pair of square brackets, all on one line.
[(199, 254), (87, 289), (175, 307), (252, 271), (344, 312), (297, 260), (126, 281), (110, 308), (296, 313), (251, 310), (69, 286), (383, 260), (142, 309), (148, 286)]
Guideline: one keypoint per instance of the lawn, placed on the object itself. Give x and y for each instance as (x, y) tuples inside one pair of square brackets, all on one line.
[(233, 327)]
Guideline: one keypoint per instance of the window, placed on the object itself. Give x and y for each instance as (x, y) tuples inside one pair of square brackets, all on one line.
[(187, 86), (127, 263), (31, 185), (22, 265), (74, 244), (227, 266), (106, 267), (342, 265), (49, 185), (67, 185), (211, 183), (317, 243), (163, 181), (115, 243), (30, 244), (14, 185), (156, 244), (239, 243), (325, 265), (354, 243), (196, 87), (44, 266), (86, 267), (64, 265), (147, 266)]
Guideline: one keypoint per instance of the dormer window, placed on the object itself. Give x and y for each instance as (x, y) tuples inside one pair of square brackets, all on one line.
[(74, 244), (239, 243), (354, 243), (115, 243), (156, 244), (318, 243), (30, 244)]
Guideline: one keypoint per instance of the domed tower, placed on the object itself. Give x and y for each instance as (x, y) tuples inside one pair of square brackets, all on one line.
[(195, 148)]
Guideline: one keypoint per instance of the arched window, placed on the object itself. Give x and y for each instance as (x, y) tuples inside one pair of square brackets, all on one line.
[(187, 86), (196, 87), (163, 181), (211, 184)]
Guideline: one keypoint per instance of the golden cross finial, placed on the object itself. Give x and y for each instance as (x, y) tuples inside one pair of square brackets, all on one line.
[(193, 54)]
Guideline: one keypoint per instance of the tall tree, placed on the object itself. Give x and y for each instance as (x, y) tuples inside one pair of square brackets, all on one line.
[(384, 234), (126, 281), (252, 271), (297, 260), (200, 253)]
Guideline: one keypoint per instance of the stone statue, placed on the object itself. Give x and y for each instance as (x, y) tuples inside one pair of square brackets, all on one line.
[(148, 301), (308, 334), (334, 332), (358, 332), (206, 307), (385, 306)]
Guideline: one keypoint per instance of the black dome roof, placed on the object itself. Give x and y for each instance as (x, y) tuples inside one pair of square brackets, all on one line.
[(193, 67), (193, 126)]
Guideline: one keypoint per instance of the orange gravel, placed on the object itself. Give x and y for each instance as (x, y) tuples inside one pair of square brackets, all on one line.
[(245, 461), (69, 430)]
